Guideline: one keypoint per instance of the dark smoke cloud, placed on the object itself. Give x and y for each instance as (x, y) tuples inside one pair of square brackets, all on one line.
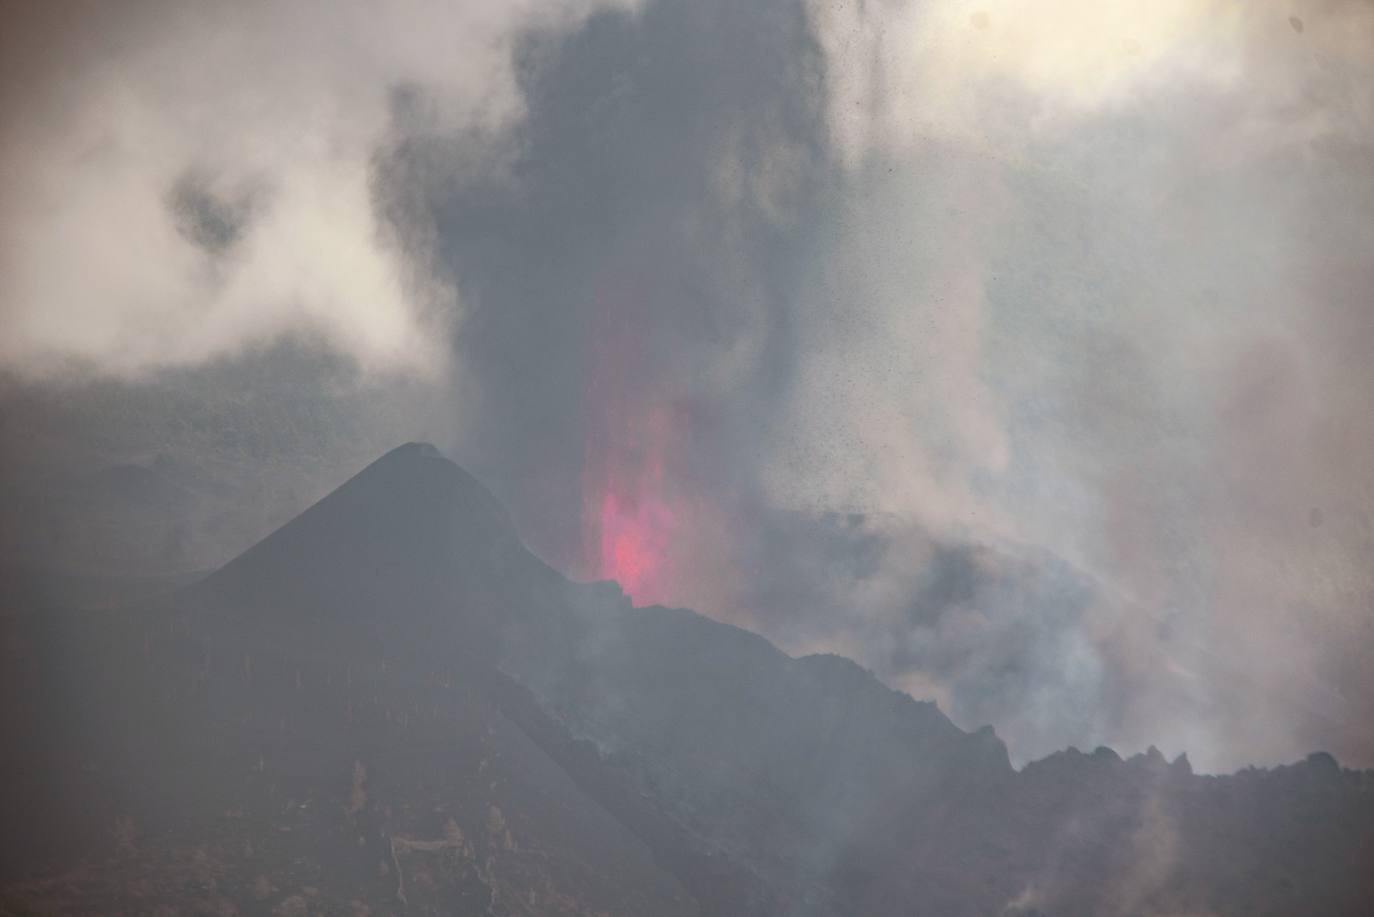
[(634, 255)]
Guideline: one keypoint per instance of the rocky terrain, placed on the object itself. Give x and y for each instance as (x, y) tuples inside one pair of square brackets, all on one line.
[(390, 706)]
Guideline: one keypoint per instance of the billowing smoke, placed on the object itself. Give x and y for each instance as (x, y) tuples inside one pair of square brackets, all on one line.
[(1019, 350), (183, 180)]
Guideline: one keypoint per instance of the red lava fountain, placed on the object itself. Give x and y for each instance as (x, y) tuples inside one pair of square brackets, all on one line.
[(632, 516), (635, 516)]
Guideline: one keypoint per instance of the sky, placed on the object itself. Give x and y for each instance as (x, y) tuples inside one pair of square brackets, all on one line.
[(1019, 350)]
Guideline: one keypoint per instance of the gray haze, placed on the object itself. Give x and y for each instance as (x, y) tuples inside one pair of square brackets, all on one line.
[(1020, 351)]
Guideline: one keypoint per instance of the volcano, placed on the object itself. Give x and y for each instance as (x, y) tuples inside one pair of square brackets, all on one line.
[(390, 705)]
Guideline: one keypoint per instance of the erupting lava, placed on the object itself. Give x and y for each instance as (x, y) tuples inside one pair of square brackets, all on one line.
[(632, 518), (635, 514)]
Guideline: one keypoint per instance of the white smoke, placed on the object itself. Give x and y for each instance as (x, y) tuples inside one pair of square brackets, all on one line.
[(184, 179)]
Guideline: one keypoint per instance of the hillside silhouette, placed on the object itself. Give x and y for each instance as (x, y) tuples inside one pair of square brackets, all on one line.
[(390, 705)]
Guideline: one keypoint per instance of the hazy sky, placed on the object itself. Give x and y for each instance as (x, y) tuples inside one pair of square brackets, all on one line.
[(1021, 350)]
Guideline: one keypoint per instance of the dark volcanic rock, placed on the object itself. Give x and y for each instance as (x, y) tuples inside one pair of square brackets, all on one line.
[(411, 542), (390, 705)]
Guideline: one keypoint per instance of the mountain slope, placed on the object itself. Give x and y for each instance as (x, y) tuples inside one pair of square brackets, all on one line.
[(389, 705), (412, 533)]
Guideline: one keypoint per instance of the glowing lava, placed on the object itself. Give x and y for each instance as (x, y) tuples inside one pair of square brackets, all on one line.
[(633, 519), (634, 544), (633, 511)]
